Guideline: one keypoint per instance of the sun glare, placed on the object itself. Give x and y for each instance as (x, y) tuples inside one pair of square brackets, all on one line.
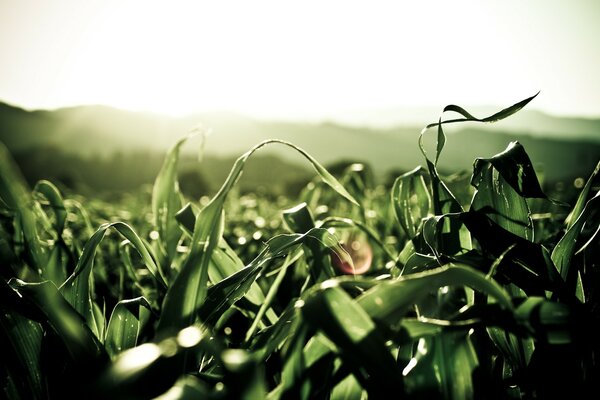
[(275, 58)]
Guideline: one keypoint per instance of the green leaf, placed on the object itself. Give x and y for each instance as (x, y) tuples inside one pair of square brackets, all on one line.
[(411, 200), (337, 222), (514, 165), (347, 389), (527, 264), (298, 218), (20, 345), (582, 198), (388, 301), (76, 289), (504, 205), (16, 196), (507, 112), (441, 142), (46, 305), (548, 321), (444, 202), (166, 201), (361, 344), (56, 202), (150, 369), (290, 259), (565, 248), (228, 291), (443, 367), (126, 322)]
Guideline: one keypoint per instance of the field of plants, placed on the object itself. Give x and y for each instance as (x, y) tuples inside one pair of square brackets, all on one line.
[(351, 290)]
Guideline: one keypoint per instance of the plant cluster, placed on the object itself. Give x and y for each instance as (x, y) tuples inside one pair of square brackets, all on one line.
[(354, 292)]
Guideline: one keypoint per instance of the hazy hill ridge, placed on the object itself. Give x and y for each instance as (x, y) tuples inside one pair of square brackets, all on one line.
[(93, 130)]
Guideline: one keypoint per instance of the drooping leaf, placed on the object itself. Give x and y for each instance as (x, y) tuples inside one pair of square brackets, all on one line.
[(444, 202), (507, 207), (527, 264), (125, 324), (388, 301), (337, 222), (411, 200), (76, 289), (56, 202), (565, 248), (514, 165), (507, 112), (349, 326), (16, 196), (43, 302)]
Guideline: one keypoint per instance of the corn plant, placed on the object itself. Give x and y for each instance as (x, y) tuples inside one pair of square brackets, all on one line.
[(354, 292)]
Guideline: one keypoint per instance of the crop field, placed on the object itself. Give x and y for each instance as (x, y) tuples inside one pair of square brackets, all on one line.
[(352, 290)]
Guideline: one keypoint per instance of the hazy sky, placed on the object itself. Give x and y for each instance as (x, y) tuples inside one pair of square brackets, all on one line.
[(284, 58)]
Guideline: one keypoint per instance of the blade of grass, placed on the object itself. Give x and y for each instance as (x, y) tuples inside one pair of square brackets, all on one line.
[(76, 289), (507, 112), (125, 324), (565, 248), (15, 194), (411, 200), (166, 201)]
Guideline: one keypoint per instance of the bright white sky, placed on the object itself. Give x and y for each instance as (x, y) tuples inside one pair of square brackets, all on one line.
[(282, 58)]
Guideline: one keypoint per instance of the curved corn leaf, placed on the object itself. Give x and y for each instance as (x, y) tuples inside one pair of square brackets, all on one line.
[(225, 293), (337, 222), (166, 201), (565, 248), (46, 305), (347, 389), (16, 196), (149, 370), (388, 301), (125, 324), (76, 289), (349, 326), (508, 208), (290, 259), (443, 367), (514, 165), (444, 202), (411, 200), (298, 219), (56, 202), (527, 264), (20, 345), (582, 198), (507, 112)]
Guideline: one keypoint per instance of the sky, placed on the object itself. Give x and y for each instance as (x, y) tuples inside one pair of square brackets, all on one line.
[(289, 58)]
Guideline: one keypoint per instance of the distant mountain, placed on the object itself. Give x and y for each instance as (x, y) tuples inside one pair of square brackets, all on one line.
[(533, 122), (102, 131)]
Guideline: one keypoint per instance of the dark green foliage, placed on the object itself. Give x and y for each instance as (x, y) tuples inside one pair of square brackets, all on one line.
[(244, 296)]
